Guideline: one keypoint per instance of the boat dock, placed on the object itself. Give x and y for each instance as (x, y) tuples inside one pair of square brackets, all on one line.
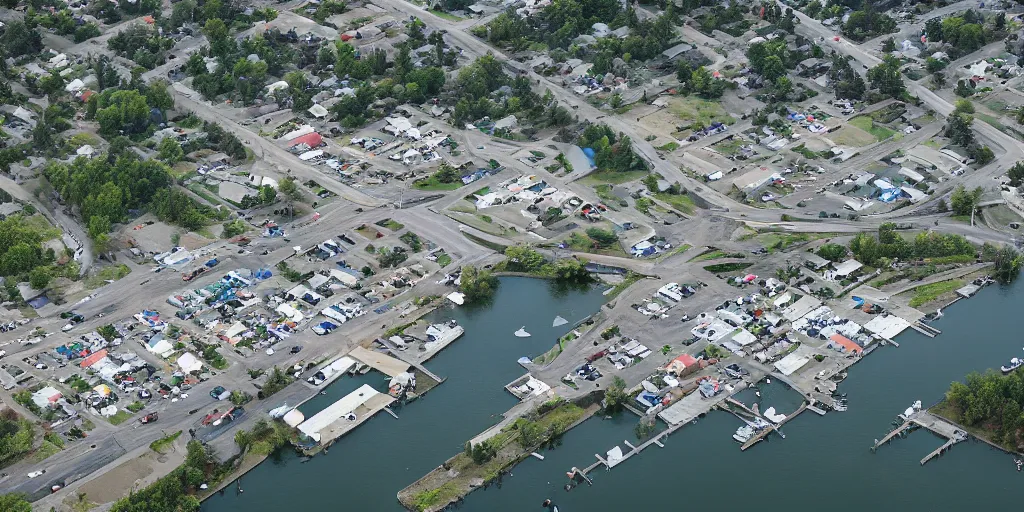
[(927, 420), (633, 450), (390, 363), (343, 416)]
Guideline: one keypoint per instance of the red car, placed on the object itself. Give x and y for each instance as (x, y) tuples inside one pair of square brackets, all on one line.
[(149, 418)]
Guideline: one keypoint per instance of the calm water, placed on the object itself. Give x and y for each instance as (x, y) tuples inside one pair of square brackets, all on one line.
[(365, 469), (824, 461)]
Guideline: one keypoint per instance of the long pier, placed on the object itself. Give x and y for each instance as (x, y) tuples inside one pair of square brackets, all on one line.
[(656, 440), (939, 426)]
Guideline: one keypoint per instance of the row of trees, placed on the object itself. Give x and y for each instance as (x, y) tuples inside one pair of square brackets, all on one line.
[(521, 258), (880, 250), (478, 285), (142, 44), (960, 133)]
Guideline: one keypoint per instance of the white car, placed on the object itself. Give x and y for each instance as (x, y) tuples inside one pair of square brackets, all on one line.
[(36, 473), (3, 353), (67, 327)]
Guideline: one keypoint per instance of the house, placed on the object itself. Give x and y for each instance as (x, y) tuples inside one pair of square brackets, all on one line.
[(189, 363), (412, 157), (506, 123), (685, 364), (159, 345), (397, 125), (814, 262), (312, 139), (844, 344), (318, 111), (844, 269), (46, 397)]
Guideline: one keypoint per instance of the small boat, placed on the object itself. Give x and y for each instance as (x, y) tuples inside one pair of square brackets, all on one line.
[(1014, 364), (559, 321), (743, 434), (521, 333)]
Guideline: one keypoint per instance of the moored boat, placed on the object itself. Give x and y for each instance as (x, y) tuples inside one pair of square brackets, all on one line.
[(744, 433), (1014, 364)]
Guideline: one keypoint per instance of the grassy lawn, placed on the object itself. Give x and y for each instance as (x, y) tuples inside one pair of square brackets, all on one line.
[(992, 120), (729, 147), (108, 273), (119, 418), (161, 445), (779, 241), (867, 124), (681, 202), (391, 224), (852, 136), (621, 287), (432, 183), (444, 15), (931, 292), (613, 177), (580, 242), (727, 267), (39, 223), (671, 146), (697, 110), (604, 192), (44, 451), (716, 255), (444, 259)]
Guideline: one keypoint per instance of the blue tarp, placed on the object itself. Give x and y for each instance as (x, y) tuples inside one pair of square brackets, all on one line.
[(590, 154)]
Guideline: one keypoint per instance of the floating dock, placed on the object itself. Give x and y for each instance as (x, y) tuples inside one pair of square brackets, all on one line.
[(939, 426), (336, 420)]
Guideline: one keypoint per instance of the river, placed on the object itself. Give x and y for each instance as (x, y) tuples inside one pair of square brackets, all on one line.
[(823, 462)]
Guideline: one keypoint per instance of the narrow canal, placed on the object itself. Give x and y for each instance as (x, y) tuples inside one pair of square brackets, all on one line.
[(823, 462), (365, 469)]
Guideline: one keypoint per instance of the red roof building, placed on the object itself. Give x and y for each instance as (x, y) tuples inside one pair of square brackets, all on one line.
[(847, 344), (312, 140), (93, 359)]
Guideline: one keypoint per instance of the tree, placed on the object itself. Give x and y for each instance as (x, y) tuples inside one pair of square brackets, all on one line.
[(267, 194), (1007, 262), (290, 189), (478, 285), (158, 97), (832, 252), (964, 202), (447, 174), (886, 77), (1016, 174), (958, 129), (19, 39), (615, 396), (602, 237), (169, 150), (122, 112), (14, 503), (964, 106), (889, 45), (39, 278), (964, 88), (520, 258)]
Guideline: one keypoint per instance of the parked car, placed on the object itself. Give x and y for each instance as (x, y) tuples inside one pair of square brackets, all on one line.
[(219, 393), (149, 418)]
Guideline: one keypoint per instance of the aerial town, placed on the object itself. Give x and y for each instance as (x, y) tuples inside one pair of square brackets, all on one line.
[(236, 230)]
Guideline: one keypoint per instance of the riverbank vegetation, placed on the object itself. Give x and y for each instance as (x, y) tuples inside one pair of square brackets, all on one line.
[(990, 404), (523, 259), (477, 284), (177, 491), (484, 462)]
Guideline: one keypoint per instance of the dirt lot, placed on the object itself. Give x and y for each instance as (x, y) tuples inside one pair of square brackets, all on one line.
[(117, 482)]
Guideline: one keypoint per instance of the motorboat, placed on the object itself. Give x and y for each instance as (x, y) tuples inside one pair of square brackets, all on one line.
[(1014, 364), (744, 433)]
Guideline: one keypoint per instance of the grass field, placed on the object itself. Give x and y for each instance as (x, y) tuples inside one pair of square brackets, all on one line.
[(613, 177), (866, 124), (697, 110), (931, 292), (432, 183), (681, 202)]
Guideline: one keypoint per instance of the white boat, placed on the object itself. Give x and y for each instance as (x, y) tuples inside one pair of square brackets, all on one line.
[(521, 333), (744, 433), (559, 321), (1014, 364), (440, 335), (772, 416)]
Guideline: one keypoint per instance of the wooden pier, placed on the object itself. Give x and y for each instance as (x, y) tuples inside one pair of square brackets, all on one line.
[(656, 440), (939, 426), (888, 437)]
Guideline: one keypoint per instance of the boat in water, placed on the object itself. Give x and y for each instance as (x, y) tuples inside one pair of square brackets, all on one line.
[(521, 333), (743, 434), (1014, 364), (914, 408)]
